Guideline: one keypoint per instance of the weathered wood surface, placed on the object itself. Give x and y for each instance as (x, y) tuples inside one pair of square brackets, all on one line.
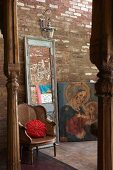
[(101, 54), (11, 70)]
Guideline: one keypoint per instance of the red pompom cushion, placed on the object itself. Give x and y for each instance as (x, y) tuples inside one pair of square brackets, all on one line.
[(36, 128)]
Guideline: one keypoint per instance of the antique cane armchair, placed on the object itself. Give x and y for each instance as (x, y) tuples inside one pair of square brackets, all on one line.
[(27, 112)]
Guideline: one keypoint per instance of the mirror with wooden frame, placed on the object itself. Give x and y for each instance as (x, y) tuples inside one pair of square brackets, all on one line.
[(40, 74)]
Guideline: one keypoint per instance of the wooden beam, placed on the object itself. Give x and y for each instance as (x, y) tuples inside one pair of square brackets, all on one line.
[(11, 70), (1, 16)]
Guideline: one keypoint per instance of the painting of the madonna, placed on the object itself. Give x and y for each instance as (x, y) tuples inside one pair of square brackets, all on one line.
[(77, 111)]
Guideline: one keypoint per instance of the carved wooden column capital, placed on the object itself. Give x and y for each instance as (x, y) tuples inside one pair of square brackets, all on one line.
[(104, 85), (12, 82)]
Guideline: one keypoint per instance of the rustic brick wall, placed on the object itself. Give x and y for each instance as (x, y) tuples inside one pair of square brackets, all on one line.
[(72, 20)]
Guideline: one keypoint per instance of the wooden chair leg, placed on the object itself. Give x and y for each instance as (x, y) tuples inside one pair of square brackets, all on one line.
[(31, 155), (37, 149), (54, 149), (21, 151)]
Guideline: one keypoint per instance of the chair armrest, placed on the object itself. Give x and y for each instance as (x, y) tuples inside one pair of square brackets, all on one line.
[(52, 123), (24, 137), (51, 129), (21, 126)]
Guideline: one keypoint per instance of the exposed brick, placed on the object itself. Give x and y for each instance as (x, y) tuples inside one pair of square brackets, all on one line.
[(41, 0), (71, 9), (81, 5), (30, 6), (64, 14), (77, 14), (53, 6), (72, 20), (76, 7), (25, 8), (20, 4), (84, 9)]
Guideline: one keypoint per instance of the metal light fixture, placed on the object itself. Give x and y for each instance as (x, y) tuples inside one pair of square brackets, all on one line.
[(45, 24)]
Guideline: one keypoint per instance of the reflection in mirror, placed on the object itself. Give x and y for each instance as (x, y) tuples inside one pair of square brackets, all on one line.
[(40, 75), (39, 72)]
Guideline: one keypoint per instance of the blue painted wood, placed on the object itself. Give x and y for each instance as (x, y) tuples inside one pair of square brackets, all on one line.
[(42, 43)]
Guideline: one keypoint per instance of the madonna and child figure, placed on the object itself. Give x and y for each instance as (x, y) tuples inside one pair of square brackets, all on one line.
[(77, 115)]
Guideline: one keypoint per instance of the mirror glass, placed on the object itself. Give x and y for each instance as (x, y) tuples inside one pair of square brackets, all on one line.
[(39, 73)]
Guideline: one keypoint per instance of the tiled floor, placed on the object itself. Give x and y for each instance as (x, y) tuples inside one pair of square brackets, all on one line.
[(45, 162), (81, 155)]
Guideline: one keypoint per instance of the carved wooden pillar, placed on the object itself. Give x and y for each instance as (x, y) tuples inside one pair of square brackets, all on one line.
[(13, 161), (101, 53), (11, 70)]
